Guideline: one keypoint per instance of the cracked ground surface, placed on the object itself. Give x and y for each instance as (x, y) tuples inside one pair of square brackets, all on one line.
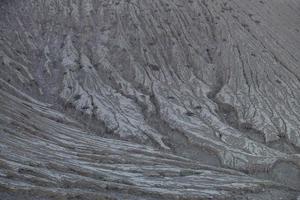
[(149, 99)]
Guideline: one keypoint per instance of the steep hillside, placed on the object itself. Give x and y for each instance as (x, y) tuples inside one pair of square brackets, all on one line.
[(149, 99)]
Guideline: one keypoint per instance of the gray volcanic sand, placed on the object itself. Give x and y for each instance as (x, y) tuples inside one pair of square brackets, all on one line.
[(149, 99)]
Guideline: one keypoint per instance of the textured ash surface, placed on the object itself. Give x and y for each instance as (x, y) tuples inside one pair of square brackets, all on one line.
[(149, 99)]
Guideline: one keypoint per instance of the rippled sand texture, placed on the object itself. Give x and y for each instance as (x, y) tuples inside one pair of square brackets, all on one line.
[(149, 99)]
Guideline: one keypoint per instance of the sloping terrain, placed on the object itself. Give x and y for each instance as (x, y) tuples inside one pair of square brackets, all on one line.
[(149, 99)]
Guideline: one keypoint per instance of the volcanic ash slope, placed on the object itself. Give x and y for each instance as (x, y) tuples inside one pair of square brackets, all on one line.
[(149, 99)]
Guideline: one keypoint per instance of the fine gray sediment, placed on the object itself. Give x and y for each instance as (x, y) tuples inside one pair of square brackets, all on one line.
[(158, 99)]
